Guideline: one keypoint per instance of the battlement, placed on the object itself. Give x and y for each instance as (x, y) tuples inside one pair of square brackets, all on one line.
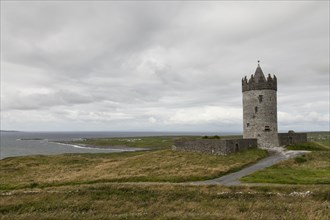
[(270, 83), (258, 81)]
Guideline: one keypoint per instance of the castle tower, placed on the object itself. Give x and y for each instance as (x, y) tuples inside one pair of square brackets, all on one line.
[(260, 108)]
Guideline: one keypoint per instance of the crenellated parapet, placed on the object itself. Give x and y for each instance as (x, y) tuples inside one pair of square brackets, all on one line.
[(259, 82)]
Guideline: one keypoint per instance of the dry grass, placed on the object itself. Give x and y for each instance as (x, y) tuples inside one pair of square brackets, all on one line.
[(78, 186), (161, 165), (167, 201)]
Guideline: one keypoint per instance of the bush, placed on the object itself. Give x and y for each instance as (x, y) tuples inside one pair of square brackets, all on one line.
[(213, 137), (300, 159)]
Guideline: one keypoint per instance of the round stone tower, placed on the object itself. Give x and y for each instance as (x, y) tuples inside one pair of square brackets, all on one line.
[(260, 108)]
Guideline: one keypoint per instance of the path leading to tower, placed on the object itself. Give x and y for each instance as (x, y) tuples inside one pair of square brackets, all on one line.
[(233, 178)]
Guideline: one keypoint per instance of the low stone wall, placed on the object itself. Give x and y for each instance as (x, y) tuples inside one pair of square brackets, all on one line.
[(291, 138), (214, 146)]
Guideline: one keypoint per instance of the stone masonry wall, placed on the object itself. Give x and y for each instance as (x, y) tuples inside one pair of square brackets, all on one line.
[(215, 146), (291, 138), (260, 117)]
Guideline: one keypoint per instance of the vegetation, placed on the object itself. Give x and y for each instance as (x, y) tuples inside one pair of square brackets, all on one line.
[(310, 146), (148, 184), (311, 168), (322, 138), (146, 166), (139, 142), (163, 142), (166, 201), (212, 137)]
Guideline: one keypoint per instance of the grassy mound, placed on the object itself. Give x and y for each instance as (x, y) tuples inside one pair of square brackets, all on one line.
[(151, 166)]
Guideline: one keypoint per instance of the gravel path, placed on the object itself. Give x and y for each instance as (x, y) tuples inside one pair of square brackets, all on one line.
[(233, 178)]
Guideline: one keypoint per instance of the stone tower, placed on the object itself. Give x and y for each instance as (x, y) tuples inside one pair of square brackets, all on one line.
[(260, 108)]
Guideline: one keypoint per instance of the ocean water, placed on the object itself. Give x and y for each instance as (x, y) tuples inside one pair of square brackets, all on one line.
[(13, 144)]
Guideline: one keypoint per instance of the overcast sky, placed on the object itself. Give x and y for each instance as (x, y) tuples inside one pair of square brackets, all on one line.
[(160, 66)]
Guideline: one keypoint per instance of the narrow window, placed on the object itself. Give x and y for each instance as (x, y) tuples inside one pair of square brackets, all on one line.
[(267, 128), (256, 109), (248, 125), (260, 98)]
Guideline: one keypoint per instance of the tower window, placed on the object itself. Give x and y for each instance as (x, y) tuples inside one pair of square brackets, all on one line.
[(256, 109), (267, 128), (260, 98), (247, 125)]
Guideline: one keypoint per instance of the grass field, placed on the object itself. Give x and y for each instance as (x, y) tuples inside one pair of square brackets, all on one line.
[(310, 146), (154, 166), (125, 185), (167, 201), (311, 168), (322, 138), (163, 142), (139, 142)]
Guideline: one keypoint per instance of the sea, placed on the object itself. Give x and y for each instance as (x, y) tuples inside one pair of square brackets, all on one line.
[(14, 143)]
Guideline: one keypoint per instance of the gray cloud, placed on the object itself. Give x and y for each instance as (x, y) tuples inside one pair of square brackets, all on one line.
[(159, 65)]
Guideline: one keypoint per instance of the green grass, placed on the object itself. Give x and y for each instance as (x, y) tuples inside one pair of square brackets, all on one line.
[(147, 166), (321, 138), (311, 168), (139, 142), (310, 146), (167, 201), (94, 186), (162, 142)]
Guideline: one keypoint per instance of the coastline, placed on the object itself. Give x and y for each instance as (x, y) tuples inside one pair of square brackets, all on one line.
[(121, 148)]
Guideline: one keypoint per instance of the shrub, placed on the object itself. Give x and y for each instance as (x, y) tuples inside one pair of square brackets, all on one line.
[(213, 137), (300, 159)]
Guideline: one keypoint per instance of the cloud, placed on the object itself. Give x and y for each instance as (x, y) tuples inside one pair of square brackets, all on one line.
[(206, 114), (159, 65)]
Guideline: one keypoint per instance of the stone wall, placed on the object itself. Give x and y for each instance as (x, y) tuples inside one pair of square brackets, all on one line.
[(291, 138), (260, 117), (215, 146)]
